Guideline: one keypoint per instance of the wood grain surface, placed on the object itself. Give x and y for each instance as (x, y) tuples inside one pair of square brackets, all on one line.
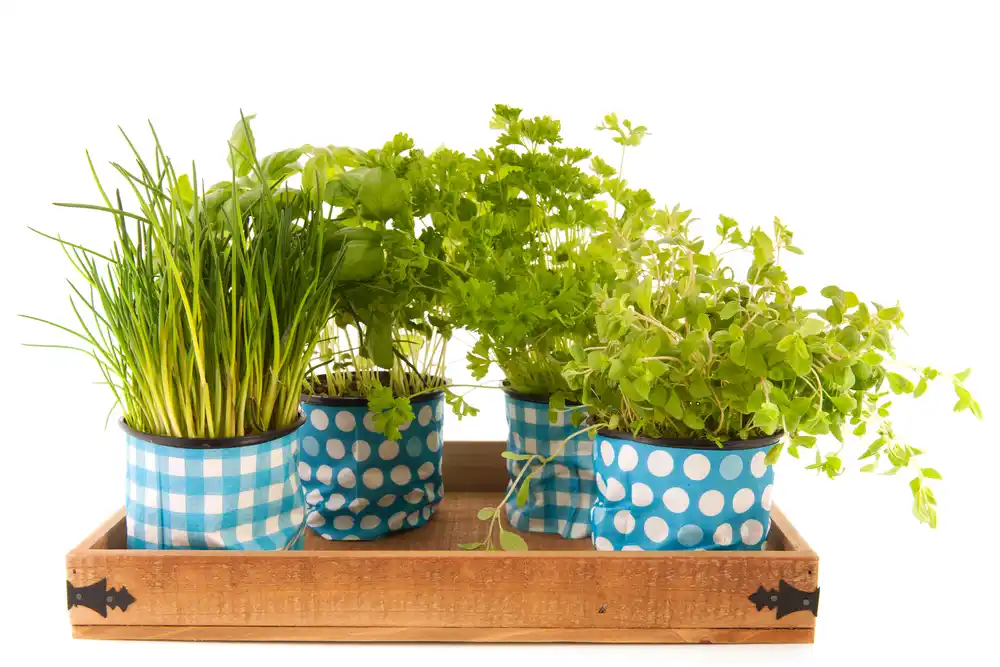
[(424, 635), (418, 586)]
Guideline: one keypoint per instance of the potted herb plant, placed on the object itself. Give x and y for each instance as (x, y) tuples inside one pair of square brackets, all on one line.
[(703, 379), (373, 442), (201, 320), (535, 236)]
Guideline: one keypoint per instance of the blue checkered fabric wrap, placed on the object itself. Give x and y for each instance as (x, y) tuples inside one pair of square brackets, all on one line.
[(237, 498), (561, 494)]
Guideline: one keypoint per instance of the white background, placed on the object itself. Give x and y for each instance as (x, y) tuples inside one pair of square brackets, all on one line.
[(870, 128)]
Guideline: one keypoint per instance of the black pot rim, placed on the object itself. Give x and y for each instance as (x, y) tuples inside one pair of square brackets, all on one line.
[(214, 443), (692, 443), (360, 401), (542, 399)]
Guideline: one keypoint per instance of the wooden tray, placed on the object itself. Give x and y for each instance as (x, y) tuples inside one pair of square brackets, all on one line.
[(418, 586)]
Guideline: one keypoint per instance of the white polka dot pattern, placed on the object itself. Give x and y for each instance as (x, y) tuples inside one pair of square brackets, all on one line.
[(652, 497), (345, 420), (676, 500), (642, 495), (363, 485), (624, 522), (319, 420)]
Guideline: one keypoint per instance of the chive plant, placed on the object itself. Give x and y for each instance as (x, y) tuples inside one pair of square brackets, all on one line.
[(203, 316)]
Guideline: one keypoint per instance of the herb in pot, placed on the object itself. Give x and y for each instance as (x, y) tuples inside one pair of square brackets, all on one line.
[(692, 351), (203, 316), (202, 319), (388, 340), (536, 232)]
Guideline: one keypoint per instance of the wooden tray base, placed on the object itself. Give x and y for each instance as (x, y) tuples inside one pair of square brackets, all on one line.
[(418, 586)]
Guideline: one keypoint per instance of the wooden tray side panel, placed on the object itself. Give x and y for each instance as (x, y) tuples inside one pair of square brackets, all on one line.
[(438, 589), (474, 465)]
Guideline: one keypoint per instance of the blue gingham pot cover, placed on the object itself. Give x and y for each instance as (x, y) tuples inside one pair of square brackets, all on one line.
[(359, 484), (247, 497), (560, 496), (654, 497)]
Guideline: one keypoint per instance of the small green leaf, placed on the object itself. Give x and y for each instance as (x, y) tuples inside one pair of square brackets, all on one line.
[(693, 421), (656, 368), (674, 407), (812, 327), (729, 310), (756, 363), (804, 441), (642, 294), (930, 473), (899, 384), (471, 546), (738, 352), (511, 541), (767, 418), (844, 403), (486, 513), (641, 386), (522, 492), (513, 456), (243, 146), (889, 313), (760, 337), (787, 343)]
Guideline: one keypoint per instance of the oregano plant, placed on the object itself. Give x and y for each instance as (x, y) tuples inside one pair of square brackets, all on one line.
[(689, 348)]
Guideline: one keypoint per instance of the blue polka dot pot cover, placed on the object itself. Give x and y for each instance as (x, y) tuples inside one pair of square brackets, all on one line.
[(655, 496), (562, 492), (359, 484), (238, 493)]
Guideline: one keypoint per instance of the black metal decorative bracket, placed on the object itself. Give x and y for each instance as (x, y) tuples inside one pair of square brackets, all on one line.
[(787, 599), (98, 597)]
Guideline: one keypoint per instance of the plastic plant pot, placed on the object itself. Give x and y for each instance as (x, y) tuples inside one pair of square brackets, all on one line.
[(562, 492), (361, 485), (239, 493), (657, 495)]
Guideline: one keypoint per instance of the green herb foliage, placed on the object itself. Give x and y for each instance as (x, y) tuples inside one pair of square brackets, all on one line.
[(530, 229), (400, 322), (203, 316), (689, 349)]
